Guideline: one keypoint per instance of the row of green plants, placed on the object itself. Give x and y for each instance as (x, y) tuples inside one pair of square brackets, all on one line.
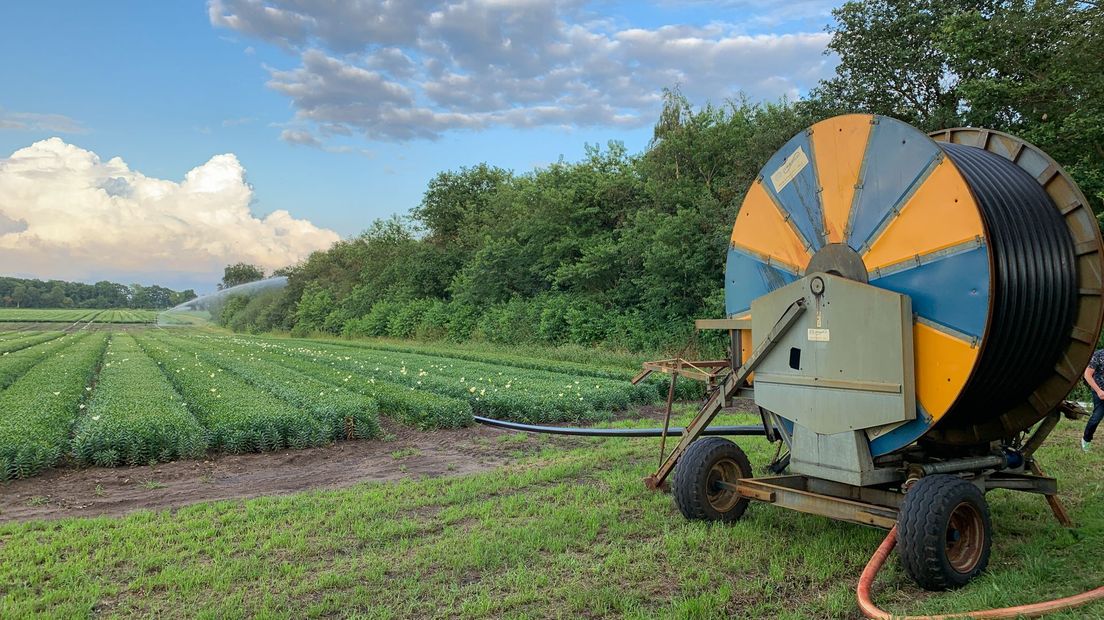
[(134, 416), (238, 416), (496, 391), (14, 364), (344, 413), (46, 315), (67, 315), (160, 396), (22, 340), (38, 410), (127, 316), (413, 407), (685, 390)]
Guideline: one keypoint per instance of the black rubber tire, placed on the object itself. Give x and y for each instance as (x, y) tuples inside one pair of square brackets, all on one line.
[(925, 533), (693, 484)]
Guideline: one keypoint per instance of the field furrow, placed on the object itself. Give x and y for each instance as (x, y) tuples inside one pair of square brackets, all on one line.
[(37, 412), (134, 416)]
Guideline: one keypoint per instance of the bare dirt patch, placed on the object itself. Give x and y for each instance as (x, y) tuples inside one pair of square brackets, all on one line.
[(404, 453)]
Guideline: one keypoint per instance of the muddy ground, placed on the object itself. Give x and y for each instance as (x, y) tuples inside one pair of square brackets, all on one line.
[(404, 453)]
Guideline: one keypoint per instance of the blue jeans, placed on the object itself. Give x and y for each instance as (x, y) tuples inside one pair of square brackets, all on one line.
[(1095, 418)]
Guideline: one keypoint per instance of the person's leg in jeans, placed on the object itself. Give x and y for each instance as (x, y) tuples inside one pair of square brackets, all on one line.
[(1094, 419)]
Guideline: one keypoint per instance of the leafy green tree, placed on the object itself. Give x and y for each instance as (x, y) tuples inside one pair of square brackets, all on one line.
[(240, 273), (891, 62), (1034, 69), (454, 201)]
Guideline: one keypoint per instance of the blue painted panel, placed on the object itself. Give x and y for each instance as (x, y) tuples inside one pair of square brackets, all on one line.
[(952, 291), (902, 435), (897, 155), (799, 197), (747, 278)]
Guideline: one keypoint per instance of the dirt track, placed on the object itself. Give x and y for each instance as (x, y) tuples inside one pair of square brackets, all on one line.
[(68, 492)]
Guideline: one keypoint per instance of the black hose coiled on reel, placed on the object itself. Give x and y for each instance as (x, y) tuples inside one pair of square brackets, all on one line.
[(1033, 284)]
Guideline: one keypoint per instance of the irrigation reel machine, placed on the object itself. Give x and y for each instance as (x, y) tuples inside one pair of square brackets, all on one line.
[(908, 313)]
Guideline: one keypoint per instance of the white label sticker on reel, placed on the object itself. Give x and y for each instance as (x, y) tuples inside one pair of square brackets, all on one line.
[(819, 335), (794, 164)]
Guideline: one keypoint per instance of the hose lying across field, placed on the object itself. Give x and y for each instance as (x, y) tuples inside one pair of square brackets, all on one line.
[(730, 431), (870, 610)]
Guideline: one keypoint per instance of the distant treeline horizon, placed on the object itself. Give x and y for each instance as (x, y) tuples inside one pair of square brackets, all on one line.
[(624, 250), (34, 293)]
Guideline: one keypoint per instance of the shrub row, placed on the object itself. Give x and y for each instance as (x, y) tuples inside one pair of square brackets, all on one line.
[(413, 407), (345, 414), (37, 411), (684, 390), (17, 341), (135, 417), (238, 417), (493, 391), (14, 364)]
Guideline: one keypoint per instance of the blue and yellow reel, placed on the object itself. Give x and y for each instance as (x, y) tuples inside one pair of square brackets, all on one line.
[(954, 225)]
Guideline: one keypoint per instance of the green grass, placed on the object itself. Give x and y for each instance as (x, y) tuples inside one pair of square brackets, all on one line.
[(568, 533)]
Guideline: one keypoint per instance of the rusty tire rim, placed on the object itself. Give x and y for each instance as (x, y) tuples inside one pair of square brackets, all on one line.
[(965, 538), (721, 498)]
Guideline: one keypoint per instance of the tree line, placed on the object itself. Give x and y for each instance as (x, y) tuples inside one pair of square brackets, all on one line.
[(625, 249), (29, 293)]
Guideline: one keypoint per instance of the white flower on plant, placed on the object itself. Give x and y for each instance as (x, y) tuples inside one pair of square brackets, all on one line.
[(82, 406), (57, 393), (95, 418), (471, 389), (213, 390)]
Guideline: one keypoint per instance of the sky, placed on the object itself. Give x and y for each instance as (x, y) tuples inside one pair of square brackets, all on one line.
[(156, 142)]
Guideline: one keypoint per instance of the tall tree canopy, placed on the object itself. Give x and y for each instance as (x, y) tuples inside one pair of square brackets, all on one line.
[(240, 273)]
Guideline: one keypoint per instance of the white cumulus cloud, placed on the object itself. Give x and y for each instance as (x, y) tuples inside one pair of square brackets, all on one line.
[(65, 213)]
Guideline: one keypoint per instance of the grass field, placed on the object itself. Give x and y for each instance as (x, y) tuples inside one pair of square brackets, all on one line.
[(568, 533)]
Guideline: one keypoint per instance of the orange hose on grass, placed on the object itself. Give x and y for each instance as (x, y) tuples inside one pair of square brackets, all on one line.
[(870, 610)]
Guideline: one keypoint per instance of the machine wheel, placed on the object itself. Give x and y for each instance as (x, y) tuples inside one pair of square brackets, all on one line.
[(943, 532), (697, 494)]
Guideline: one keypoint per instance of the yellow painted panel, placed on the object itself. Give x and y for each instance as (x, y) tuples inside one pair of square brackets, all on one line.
[(943, 364), (941, 213), (838, 147), (760, 228)]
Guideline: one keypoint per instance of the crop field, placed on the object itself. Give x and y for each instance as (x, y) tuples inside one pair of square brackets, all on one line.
[(94, 398), (58, 315)]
